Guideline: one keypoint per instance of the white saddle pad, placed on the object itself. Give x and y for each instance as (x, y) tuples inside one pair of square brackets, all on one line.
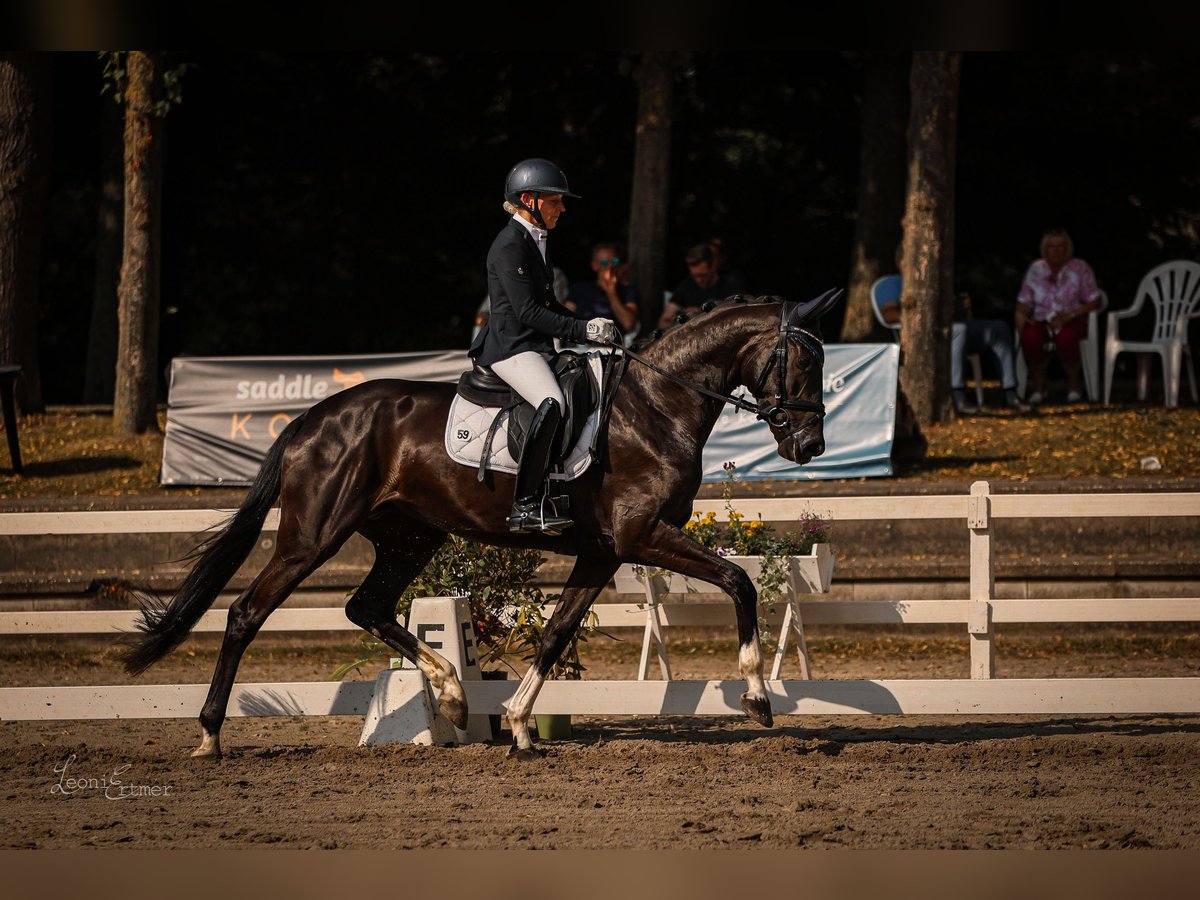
[(468, 424)]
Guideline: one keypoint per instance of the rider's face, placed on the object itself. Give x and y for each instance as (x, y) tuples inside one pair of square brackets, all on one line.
[(551, 207)]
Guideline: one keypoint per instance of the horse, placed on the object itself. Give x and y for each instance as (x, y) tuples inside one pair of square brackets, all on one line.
[(371, 459)]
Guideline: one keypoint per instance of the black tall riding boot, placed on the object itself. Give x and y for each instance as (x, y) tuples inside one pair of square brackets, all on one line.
[(532, 509)]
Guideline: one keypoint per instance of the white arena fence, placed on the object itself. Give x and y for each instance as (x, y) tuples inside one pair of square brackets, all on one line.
[(980, 612)]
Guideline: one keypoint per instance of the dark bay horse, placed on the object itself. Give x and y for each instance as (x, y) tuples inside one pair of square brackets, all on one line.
[(372, 460)]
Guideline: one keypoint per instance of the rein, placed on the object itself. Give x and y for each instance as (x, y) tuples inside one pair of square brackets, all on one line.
[(776, 414), (724, 398)]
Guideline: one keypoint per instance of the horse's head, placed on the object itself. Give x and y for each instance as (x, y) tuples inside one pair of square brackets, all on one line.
[(788, 390)]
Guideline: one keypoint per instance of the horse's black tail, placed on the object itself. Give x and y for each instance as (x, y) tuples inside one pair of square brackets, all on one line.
[(164, 626)]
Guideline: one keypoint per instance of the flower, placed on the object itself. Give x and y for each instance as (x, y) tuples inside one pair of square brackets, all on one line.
[(738, 536)]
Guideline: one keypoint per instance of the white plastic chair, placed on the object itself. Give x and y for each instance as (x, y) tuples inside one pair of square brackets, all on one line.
[(887, 290), (1089, 355), (1174, 289)]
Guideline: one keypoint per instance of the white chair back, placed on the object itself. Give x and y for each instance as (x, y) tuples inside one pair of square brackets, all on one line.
[(1174, 289)]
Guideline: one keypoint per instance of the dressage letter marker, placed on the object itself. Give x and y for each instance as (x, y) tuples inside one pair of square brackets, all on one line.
[(403, 708)]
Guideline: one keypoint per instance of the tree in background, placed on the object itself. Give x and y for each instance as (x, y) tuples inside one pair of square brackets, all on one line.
[(926, 304), (24, 107), (877, 230), (134, 396), (651, 173)]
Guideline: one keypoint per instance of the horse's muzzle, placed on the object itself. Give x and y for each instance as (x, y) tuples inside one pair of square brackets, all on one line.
[(802, 446)]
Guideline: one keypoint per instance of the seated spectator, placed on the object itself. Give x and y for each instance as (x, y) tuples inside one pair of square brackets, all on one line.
[(704, 283), (732, 277), (1058, 293), (968, 336), (606, 297)]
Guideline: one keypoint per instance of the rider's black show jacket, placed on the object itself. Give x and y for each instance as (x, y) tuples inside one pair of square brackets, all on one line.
[(525, 313)]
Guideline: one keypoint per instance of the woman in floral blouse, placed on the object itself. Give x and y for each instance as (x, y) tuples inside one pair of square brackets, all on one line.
[(1058, 293)]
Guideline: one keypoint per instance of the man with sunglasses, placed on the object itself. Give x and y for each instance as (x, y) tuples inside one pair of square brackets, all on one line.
[(606, 297)]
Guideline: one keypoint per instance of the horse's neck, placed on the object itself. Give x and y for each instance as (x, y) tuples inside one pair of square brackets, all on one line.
[(719, 353)]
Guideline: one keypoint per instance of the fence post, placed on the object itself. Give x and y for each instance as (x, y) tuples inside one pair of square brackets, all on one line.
[(652, 637), (983, 581)]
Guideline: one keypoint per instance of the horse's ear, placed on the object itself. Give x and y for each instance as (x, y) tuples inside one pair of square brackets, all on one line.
[(817, 307)]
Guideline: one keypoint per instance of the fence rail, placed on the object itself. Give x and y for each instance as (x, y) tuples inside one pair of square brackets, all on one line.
[(980, 612)]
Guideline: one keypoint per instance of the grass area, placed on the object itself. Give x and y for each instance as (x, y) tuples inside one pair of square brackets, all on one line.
[(74, 452)]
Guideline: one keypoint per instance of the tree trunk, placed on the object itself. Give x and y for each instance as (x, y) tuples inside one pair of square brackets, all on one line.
[(137, 316), (877, 231), (927, 302), (651, 171), (24, 126), (100, 374)]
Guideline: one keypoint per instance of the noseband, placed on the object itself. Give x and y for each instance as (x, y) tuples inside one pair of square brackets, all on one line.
[(775, 415)]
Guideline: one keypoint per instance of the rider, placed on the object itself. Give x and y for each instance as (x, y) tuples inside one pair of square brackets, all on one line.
[(517, 340)]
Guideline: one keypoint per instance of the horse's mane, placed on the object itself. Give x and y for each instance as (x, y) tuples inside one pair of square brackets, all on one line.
[(709, 306)]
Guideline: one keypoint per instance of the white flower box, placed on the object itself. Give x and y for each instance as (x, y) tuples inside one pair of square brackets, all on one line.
[(810, 574)]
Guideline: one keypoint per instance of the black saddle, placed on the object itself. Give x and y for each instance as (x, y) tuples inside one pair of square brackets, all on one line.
[(484, 387)]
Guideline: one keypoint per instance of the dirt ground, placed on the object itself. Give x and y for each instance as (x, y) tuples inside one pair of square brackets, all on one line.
[(681, 783)]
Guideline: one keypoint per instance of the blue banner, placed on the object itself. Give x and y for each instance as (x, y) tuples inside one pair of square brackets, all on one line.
[(860, 423)]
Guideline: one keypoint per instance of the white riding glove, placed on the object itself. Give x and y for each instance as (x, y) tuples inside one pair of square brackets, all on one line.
[(601, 331)]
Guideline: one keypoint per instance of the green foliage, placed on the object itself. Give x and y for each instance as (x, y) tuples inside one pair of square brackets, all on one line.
[(506, 606), (498, 582), (170, 88)]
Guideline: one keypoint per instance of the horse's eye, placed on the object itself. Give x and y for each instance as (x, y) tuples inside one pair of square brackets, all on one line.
[(804, 363)]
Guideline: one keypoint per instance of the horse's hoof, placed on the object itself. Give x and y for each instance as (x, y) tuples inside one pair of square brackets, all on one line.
[(759, 709), (455, 710), (524, 755), (210, 747)]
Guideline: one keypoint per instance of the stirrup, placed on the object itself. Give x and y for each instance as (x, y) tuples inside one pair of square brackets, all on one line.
[(534, 516)]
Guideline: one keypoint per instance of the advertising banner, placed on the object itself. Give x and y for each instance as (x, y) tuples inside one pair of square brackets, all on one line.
[(223, 413), (860, 423)]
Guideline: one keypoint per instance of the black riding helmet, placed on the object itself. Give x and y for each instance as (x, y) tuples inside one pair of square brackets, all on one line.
[(537, 176)]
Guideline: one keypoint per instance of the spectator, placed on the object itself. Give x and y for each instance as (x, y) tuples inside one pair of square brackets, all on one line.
[(704, 283), (606, 296), (732, 277), (1058, 293), (968, 336)]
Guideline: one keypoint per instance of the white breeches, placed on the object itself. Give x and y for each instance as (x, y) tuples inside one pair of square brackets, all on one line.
[(529, 375)]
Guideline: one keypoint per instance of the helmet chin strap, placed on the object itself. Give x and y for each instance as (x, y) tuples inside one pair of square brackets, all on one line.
[(535, 212)]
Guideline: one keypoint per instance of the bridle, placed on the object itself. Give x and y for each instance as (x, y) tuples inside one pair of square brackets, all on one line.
[(774, 415)]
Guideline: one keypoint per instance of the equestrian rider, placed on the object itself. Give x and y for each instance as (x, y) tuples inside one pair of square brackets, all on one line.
[(517, 340)]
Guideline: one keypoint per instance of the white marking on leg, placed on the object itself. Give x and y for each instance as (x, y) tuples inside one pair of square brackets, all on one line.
[(440, 673), (750, 664), (210, 745), (521, 705)]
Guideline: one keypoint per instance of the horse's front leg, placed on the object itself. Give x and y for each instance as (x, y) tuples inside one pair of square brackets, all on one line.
[(587, 580), (671, 549)]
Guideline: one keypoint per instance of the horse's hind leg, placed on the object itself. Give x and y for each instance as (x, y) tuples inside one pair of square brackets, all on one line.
[(274, 583), (373, 608)]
